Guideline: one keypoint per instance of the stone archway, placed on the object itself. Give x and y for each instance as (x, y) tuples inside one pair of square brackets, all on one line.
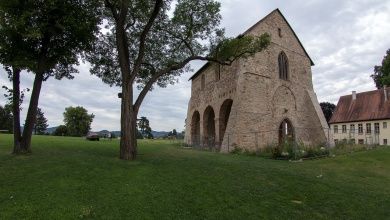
[(195, 129), (286, 132), (224, 114), (209, 127)]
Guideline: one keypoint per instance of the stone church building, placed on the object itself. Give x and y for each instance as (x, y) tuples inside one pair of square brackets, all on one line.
[(264, 99)]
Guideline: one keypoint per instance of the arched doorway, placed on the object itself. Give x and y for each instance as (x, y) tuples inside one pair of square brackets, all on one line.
[(195, 129), (224, 114), (286, 132), (209, 127)]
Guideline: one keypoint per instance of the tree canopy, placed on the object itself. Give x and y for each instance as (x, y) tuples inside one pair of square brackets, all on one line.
[(328, 110), (381, 74), (77, 121)]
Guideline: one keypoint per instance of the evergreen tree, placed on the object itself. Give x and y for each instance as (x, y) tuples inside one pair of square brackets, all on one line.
[(40, 123)]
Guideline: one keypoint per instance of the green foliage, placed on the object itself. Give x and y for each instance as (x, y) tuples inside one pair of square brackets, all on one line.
[(381, 74), (145, 130), (46, 36), (40, 123), (9, 94), (61, 130), (6, 118), (78, 121), (327, 109)]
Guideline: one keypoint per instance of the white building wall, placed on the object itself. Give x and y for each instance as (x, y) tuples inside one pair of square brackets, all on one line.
[(382, 138)]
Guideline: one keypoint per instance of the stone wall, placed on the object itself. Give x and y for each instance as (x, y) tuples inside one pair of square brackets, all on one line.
[(261, 100)]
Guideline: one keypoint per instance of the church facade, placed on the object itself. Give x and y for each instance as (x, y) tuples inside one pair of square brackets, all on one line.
[(261, 100)]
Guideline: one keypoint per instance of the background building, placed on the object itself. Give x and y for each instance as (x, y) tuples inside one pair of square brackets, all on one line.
[(362, 118)]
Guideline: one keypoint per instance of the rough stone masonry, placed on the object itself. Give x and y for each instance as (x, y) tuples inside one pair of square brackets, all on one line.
[(262, 100)]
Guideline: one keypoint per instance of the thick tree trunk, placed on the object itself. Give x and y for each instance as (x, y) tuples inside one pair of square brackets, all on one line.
[(31, 114), (128, 144), (16, 110)]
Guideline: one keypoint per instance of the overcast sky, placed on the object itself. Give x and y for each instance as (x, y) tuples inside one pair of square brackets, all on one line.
[(345, 39)]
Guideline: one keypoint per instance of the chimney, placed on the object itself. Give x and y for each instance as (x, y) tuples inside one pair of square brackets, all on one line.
[(385, 92), (353, 95)]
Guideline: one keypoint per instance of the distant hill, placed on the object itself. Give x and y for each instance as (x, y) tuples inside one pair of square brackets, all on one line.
[(158, 134), (51, 130)]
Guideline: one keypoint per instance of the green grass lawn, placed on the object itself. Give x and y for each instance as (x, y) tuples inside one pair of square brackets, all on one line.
[(70, 178)]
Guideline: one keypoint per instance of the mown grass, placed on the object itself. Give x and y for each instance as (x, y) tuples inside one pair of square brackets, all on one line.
[(70, 178)]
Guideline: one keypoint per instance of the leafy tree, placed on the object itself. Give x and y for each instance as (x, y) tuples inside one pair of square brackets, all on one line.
[(143, 125), (327, 109), (381, 74), (45, 38), (61, 130), (145, 44), (6, 118), (40, 123), (78, 121)]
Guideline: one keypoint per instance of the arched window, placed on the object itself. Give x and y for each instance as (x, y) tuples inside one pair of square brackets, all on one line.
[(283, 66)]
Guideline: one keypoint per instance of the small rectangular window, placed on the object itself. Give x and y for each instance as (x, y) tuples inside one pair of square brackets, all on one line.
[(368, 128), (344, 129), (384, 141), (360, 128), (376, 128), (361, 141), (336, 129), (352, 128), (384, 124)]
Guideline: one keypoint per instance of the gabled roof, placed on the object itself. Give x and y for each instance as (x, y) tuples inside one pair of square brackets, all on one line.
[(367, 106), (249, 29)]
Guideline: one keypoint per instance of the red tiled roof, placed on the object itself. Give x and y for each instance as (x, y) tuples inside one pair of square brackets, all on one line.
[(369, 105)]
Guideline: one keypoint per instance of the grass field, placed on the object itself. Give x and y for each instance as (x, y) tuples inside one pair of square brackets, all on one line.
[(70, 178)]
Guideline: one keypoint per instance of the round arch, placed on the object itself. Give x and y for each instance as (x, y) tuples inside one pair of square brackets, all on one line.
[(209, 126), (224, 114), (286, 131)]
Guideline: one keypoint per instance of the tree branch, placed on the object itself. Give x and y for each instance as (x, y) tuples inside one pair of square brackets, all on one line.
[(141, 51), (109, 5), (174, 67)]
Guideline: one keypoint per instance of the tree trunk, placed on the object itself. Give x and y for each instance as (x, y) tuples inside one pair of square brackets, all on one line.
[(16, 109), (31, 114), (128, 144)]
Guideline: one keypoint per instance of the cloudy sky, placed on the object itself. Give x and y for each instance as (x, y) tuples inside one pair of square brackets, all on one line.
[(345, 39)]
